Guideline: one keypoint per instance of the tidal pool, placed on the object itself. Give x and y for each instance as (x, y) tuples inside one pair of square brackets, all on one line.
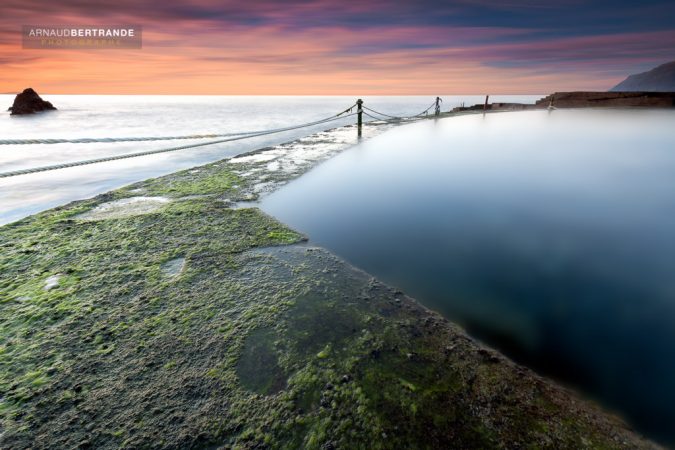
[(550, 236)]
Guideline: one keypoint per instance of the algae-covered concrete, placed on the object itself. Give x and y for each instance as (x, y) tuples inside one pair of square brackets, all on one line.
[(168, 315)]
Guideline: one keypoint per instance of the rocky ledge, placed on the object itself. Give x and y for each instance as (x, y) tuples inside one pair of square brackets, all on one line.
[(582, 99)]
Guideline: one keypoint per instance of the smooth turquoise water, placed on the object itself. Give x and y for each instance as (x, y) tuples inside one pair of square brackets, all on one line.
[(549, 236)]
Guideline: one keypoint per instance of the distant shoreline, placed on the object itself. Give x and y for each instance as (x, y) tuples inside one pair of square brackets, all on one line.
[(584, 99)]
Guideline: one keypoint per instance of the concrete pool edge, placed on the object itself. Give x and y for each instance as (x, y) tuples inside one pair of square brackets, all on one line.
[(385, 363)]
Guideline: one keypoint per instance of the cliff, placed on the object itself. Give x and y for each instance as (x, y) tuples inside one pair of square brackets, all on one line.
[(659, 79)]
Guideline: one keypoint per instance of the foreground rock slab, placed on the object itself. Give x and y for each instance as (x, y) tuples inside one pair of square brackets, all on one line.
[(258, 341)]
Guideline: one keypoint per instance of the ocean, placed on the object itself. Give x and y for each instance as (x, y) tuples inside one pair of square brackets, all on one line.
[(101, 116)]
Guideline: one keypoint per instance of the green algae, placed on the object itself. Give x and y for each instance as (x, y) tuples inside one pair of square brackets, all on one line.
[(207, 180), (258, 343)]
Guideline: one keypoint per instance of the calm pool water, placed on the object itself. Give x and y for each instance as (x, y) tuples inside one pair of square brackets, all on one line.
[(549, 236)]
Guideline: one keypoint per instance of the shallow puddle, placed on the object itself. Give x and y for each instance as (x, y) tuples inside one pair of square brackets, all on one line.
[(173, 267)]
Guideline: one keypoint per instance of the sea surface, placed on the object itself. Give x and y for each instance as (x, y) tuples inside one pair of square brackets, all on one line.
[(101, 116), (550, 236)]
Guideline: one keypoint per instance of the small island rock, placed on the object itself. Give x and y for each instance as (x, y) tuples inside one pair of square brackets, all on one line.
[(29, 102)]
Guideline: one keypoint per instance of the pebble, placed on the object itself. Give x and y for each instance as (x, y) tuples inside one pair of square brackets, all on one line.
[(52, 282)]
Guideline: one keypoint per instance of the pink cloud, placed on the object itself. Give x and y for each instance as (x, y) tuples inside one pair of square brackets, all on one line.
[(230, 54)]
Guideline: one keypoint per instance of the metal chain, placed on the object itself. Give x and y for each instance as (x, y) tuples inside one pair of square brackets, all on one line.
[(165, 150), (153, 138)]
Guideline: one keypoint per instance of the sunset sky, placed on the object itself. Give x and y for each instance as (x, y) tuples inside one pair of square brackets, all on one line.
[(342, 47)]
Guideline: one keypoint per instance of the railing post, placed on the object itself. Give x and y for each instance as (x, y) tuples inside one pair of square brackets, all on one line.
[(359, 112)]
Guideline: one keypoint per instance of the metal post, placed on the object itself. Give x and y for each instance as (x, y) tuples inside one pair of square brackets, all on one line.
[(486, 103), (359, 112)]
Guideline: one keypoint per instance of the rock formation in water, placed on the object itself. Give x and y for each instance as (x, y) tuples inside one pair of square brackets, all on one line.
[(659, 79), (29, 102)]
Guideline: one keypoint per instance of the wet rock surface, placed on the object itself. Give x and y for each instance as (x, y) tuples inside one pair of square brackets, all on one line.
[(257, 341), (29, 102)]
